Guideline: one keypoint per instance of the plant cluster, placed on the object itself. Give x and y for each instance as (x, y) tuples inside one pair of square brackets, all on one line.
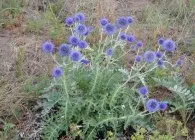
[(92, 90)]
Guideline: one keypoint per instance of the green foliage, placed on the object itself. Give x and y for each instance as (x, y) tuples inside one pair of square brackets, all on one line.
[(184, 99), (9, 131), (9, 10), (37, 85)]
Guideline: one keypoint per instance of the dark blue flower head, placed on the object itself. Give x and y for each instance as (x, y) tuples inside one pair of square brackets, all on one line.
[(48, 47), (130, 20), (152, 105), (169, 45), (80, 17), (161, 41), (74, 40), (69, 21), (83, 44), (109, 52), (138, 58), (143, 90), (122, 22), (159, 54), (179, 62), (149, 56), (89, 30), (64, 50), (160, 63), (85, 61), (130, 38), (163, 105), (75, 56), (123, 36), (104, 21), (139, 44), (57, 72), (81, 29), (110, 29)]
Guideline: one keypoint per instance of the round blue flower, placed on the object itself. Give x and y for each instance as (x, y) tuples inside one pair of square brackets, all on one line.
[(83, 44), (169, 45), (104, 21), (57, 72), (109, 52), (161, 41), (149, 56), (138, 58), (85, 61), (110, 29), (160, 63), (139, 44), (130, 20), (122, 22), (48, 47), (179, 62), (143, 90), (159, 54), (152, 105), (69, 21), (163, 105), (123, 36), (80, 17), (75, 56), (74, 40), (81, 29), (64, 50), (130, 38)]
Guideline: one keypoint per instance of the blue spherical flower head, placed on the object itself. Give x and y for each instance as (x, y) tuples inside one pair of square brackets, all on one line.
[(160, 63), (74, 40), (139, 44), (161, 41), (110, 29), (109, 52), (138, 58), (104, 21), (123, 36), (159, 54), (75, 56), (143, 90), (82, 44), (130, 20), (48, 47), (85, 61), (152, 105), (149, 56), (163, 105), (122, 22), (81, 29), (69, 21), (130, 38), (57, 72), (169, 45), (80, 17), (179, 62), (64, 50)]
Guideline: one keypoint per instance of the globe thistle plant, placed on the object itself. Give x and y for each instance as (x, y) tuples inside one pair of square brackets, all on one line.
[(152, 105), (48, 47), (169, 45), (64, 50), (97, 83), (149, 56), (74, 40)]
